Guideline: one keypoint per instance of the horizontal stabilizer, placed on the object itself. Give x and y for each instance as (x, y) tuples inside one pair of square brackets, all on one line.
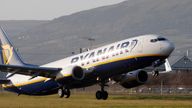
[(4, 81), (30, 70)]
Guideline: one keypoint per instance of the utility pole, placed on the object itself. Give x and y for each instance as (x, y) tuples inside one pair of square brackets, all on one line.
[(187, 53), (161, 87), (91, 40)]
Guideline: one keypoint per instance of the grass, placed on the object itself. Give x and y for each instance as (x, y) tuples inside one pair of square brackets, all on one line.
[(83, 100)]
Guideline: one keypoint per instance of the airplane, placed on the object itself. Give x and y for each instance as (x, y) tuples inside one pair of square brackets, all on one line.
[(121, 61)]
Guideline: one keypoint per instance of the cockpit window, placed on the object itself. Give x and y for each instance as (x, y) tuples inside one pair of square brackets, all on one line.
[(158, 39), (161, 39), (154, 40)]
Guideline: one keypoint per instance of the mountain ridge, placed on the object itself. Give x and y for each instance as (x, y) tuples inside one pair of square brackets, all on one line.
[(58, 38)]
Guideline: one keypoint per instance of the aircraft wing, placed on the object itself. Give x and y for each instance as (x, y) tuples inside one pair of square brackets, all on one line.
[(33, 71)]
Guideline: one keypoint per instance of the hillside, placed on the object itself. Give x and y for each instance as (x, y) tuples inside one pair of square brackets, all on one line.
[(14, 27), (59, 37)]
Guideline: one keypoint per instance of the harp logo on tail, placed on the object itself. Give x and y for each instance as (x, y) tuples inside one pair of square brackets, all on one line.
[(7, 53)]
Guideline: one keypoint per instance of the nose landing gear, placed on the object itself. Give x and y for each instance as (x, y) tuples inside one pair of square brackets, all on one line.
[(155, 65), (155, 73)]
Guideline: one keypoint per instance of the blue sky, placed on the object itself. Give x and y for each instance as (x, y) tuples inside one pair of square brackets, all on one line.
[(46, 9)]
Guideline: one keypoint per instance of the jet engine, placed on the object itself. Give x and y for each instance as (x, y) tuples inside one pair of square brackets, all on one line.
[(76, 72), (133, 79)]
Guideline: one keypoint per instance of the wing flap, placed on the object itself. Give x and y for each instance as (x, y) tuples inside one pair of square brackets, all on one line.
[(31, 70)]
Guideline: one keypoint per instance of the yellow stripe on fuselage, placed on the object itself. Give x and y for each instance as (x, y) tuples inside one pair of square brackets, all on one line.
[(88, 66)]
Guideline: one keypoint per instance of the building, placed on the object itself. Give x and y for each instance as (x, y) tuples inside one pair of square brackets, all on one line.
[(183, 64)]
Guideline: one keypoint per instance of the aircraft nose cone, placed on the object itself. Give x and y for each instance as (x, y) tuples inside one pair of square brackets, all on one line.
[(171, 47), (168, 48)]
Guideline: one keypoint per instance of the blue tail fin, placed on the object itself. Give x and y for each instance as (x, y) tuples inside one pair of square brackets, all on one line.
[(9, 55)]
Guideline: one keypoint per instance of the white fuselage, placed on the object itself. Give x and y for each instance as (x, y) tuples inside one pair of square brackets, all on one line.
[(128, 48)]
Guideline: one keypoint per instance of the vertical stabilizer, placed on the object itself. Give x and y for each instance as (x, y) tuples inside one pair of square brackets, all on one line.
[(9, 55)]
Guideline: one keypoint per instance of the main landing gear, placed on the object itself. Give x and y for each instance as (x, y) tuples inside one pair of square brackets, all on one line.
[(102, 94), (64, 92)]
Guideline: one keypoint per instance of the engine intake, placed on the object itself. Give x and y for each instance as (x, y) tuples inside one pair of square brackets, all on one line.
[(78, 73), (134, 79)]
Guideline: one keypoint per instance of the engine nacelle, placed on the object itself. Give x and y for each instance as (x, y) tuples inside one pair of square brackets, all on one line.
[(76, 72), (134, 79)]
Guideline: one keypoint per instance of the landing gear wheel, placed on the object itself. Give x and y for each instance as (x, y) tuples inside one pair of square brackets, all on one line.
[(101, 95), (64, 93), (104, 95), (67, 93), (98, 95), (61, 92), (155, 73)]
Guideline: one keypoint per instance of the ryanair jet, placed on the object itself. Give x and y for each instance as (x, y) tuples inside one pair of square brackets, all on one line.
[(122, 62)]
